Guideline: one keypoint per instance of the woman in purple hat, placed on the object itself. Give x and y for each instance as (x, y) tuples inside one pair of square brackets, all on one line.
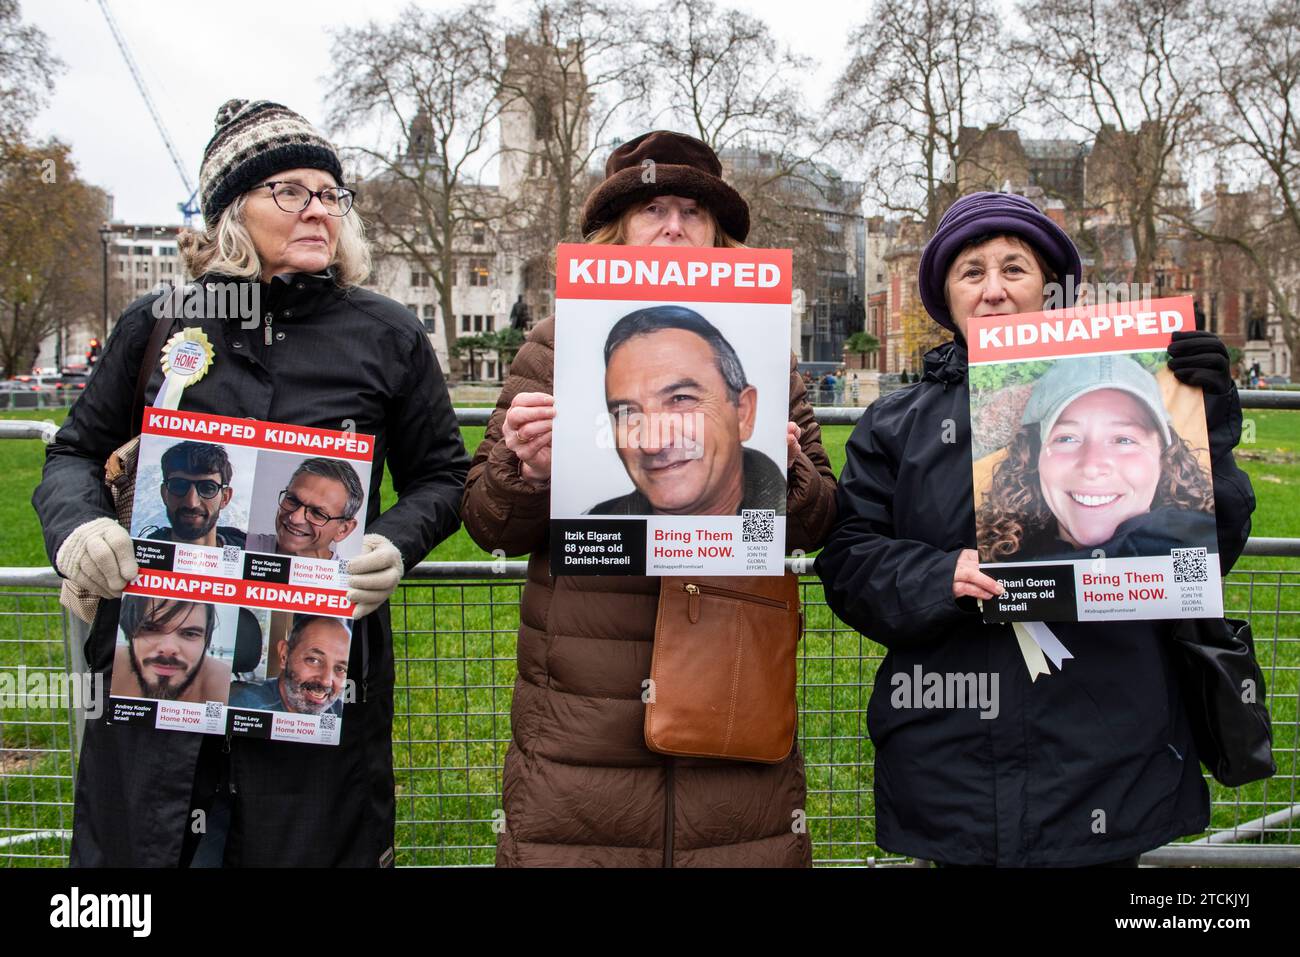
[(1091, 767)]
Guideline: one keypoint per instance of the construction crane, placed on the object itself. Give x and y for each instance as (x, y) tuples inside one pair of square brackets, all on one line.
[(188, 208)]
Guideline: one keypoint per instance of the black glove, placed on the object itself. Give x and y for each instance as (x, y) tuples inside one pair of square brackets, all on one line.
[(1200, 359)]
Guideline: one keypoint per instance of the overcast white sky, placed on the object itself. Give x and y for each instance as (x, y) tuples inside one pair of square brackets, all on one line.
[(196, 55)]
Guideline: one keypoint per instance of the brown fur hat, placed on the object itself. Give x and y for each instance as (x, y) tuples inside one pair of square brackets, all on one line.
[(663, 163)]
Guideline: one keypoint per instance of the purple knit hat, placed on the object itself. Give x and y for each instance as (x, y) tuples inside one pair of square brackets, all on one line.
[(979, 214)]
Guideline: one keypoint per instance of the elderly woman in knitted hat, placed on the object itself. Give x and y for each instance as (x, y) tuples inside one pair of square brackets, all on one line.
[(319, 351), (1089, 766), (581, 788)]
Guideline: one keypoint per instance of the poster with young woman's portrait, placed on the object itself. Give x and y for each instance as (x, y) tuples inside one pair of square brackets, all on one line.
[(1093, 493)]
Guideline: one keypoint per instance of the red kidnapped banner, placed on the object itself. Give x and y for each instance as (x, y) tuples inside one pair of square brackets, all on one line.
[(1116, 327), (165, 584), (671, 273), (258, 435)]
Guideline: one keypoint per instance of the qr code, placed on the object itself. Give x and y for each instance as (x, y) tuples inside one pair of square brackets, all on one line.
[(329, 722), (759, 524), (1190, 565), (213, 709), (230, 554)]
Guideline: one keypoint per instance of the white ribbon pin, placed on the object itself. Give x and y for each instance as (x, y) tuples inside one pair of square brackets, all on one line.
[(1037, 645)]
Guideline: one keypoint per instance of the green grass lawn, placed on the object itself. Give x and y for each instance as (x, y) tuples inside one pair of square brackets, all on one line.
[(455, 649)]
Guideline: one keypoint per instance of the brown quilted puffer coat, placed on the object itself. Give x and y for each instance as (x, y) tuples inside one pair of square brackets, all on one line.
[(581, 788)]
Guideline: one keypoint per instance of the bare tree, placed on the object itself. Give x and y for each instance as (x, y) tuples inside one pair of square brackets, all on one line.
[(49, 250), (1252, 131), (916, 79), (49, 245), (574, 80), (1128, 75), (725, 79), (27, 71), (576, 71), (426, 89)]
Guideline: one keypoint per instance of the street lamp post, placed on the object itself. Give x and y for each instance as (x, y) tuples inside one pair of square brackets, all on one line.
[(105, 235)]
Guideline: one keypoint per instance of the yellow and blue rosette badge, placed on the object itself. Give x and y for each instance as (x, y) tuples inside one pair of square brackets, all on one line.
[(186, 358)]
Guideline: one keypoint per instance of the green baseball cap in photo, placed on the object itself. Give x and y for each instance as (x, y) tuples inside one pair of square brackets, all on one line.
[(1070, 378)]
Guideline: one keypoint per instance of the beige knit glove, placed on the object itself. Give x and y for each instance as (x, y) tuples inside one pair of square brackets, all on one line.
[(373, 575), (99, 556)]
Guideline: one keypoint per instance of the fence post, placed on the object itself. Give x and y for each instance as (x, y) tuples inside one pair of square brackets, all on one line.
[(75, 633)]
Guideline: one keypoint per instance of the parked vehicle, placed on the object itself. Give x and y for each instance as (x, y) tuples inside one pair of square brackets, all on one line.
[(42, 391)]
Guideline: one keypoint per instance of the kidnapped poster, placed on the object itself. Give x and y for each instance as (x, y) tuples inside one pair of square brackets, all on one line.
[(672, 371), (1093, 494)]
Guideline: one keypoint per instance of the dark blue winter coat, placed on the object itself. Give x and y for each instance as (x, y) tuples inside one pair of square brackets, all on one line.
[(1091, 764)]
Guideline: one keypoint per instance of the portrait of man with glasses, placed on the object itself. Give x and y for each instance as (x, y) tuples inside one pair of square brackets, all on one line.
[(317, 510), (195, 488)]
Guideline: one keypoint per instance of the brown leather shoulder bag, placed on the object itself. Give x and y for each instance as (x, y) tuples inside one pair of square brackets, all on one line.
[(723, 669)]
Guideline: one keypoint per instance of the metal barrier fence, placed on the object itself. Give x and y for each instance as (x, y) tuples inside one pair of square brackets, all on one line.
[(849, 415), (454, 628), (59, 397), (826, 414)]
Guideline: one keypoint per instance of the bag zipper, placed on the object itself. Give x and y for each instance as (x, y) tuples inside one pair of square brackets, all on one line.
[(365, 660), (694, 590), (668, 814), (230, 766)]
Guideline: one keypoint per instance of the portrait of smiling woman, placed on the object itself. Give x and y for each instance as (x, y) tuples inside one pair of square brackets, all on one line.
[(1096, 465)]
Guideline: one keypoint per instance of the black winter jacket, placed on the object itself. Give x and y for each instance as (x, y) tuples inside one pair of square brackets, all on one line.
[(336, 357), (1093, 763)]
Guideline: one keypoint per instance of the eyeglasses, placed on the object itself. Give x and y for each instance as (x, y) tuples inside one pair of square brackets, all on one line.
[(294, 197), (180, 487), (290, 503)]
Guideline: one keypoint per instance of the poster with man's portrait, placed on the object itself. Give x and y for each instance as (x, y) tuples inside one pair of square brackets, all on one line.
[(1093, 494), (672, 371), (239, 621), (302, 670), (310, 506), (196, 495), (171, 653)]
